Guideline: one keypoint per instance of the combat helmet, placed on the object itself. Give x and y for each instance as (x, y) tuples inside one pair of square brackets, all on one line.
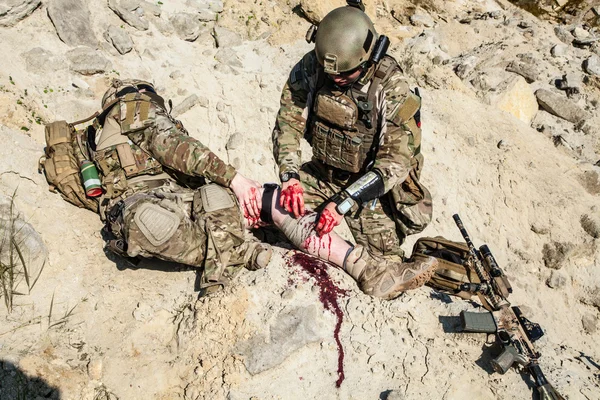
[(119, 88), (344, 40)]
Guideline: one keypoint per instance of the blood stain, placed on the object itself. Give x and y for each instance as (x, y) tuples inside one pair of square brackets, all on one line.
[(329, 295)]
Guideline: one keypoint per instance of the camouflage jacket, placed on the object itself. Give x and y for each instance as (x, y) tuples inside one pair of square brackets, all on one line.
[(157, 140), (399, 143)]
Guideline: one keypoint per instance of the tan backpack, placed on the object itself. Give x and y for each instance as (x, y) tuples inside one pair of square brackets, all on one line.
[(61, 165), (451, 272)]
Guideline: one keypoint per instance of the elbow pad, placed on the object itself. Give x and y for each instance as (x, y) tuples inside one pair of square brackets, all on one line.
[(368, 187)]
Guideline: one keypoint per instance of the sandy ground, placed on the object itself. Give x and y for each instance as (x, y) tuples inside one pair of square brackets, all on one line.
[(95, 326)]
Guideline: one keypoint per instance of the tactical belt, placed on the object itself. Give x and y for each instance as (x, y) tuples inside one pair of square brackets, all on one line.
[(267, 201)]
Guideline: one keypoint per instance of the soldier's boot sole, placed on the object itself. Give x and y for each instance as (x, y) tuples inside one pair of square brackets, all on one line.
[(260, 255)]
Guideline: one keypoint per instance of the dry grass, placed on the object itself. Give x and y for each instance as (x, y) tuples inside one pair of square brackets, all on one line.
[(13, 265)]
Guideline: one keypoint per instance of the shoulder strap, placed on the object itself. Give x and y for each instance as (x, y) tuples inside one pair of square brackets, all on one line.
[(384, 69)]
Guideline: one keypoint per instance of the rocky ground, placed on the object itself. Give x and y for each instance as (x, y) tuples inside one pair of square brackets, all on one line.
[(511, 140)]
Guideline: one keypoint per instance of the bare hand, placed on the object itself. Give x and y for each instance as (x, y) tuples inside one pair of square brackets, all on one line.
[(247, 192), (328, 219), (292, 197)]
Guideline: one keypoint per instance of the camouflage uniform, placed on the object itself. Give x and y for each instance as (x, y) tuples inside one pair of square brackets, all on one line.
[(155, 199), (394, 151)]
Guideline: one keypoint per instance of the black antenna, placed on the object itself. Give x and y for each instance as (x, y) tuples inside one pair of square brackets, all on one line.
[(357, 4)]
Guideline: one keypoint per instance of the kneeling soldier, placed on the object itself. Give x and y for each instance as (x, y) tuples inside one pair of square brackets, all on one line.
[(350, 100)]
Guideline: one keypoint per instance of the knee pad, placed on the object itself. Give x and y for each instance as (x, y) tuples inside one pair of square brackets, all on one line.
[(215, 198), (157, 224)]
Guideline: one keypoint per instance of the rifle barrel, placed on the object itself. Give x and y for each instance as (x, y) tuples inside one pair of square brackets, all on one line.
[(493, 298)]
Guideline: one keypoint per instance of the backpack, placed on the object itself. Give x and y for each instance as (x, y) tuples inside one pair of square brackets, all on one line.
[(451, 272), (61, 165)]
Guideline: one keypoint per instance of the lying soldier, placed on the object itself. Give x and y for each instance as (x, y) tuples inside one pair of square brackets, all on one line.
[(150, 186)]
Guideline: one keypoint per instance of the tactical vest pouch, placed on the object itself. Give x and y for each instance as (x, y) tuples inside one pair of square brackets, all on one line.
[(409, 108), (61, 167), (339, 111), (336, 148), (451, 256), (114, 180)]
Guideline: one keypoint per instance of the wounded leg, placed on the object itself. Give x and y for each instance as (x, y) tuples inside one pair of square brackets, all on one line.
[(384, 277)]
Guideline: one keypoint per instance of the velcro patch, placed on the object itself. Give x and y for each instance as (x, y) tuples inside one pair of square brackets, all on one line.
[(296, 73)]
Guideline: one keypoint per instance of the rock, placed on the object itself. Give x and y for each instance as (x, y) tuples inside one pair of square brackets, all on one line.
[(13, 11), (235, 141), (176, 74), (557, 280), (591, 224), (516, 97), (571, 83), (228, 57), (129, 17), (149, 54), (212, 5), (226, 69), (465, 67), (79, 83), (187, 26), (207, 15), (186, 105), (555, 254), (119, 38), (395, 395), (71, 19), (143, 312), (557, 105), (151, 8), (563, 35), (315, 10), (590, 180), (592, 65), (422, 19), (524, 24), (41, 61), (580, 33), (87, 61), (226, 38), (289, 332), (94, 369), (29, 244), (590, 323), (559, 50), (529, 71)]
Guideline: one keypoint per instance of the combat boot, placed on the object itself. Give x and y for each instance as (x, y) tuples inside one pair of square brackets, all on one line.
[(258, 256), (385, 277)]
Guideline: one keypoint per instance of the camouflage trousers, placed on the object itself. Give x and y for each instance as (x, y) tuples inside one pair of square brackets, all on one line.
[(382, 228), (173, 223)]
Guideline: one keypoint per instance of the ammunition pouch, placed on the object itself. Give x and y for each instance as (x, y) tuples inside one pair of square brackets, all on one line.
[(217, 211), (341, 133), (61, 166), (336, 148)]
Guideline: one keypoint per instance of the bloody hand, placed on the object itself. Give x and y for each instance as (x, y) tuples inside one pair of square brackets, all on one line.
[(292, 197), (328, 219), (247, 192)]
